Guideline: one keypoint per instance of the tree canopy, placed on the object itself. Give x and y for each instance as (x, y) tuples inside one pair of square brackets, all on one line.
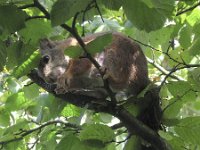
[(32, 116)]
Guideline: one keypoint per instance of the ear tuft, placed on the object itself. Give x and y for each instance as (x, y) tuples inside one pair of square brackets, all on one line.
[(47, 44)]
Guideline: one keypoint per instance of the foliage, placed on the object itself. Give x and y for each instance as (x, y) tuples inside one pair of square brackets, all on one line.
[(168, 32)]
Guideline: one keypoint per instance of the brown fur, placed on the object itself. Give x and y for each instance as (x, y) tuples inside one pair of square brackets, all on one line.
[(123, 59)]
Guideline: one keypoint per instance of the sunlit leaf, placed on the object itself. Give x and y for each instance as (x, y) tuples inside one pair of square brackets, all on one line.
[(189, 129), (97, 132)]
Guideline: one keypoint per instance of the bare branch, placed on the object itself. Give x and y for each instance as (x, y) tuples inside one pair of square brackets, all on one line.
[(26, 6), (98, 9), (23, 133), (163, 70), (35, 17), (188, 9)]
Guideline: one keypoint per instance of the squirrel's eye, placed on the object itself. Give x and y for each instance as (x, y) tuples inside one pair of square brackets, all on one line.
[(46, 59)]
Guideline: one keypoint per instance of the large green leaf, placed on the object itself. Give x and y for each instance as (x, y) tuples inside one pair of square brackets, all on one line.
[(15, 53), (189, 130), (35, 30), (179, 89), (133, 143), (63, 10), (12, 18), (173, 109), (3, 54), (71, 110), (146, 18), (4, 117), (93, 47), (97, 132), (194, 49), (185, 36), (16, 101), (194, 17), (68, 142), (112, 4)]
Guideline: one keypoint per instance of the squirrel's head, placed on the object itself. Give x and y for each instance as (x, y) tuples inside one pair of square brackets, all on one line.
[(53, 62)]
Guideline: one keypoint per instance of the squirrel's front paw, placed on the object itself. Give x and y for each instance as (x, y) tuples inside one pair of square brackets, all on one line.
[(62, 87)]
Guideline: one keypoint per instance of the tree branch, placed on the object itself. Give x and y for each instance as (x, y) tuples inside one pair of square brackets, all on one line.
[(82, 44), (35, 17), (26, 6), (102, 105), (188, 9), (22, 134), (163, 70)]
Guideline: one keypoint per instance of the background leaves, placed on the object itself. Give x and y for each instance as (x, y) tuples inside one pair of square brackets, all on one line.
[(168, 32)]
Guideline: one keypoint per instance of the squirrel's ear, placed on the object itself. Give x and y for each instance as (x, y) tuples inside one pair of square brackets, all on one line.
[(47, 44)]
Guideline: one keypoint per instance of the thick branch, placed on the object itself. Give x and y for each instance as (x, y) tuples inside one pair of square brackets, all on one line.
[(103, 105), (136, 127)]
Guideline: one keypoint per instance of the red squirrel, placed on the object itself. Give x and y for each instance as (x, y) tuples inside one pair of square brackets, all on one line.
[(124, 63)]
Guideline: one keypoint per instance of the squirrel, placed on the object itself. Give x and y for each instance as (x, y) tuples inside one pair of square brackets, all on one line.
[(122, 60)]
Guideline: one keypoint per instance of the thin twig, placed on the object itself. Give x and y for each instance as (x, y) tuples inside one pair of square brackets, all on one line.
[(23, 133), (35, 17), (26, 6), (98, 9), (188, 9), (163, 70)]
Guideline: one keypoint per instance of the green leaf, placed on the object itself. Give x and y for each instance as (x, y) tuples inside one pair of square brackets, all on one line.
[(165, 135), (68, 142), (179, 89), (17, 127), (189, 130), (4, 117), (173, 109), (177, 143), (185, 36), (35, 30), (3, 54), (12, 18), (63, 10), (13, 85), (70, 110), (161, 36), (48, 138), (16, 102), (96, 45), (194, 49), (74, 51), (99, 43), (112, 4), (133, 143), (46, 107), (14, 53), (145, 18), (31, 91), (194, 17), (27, 65), (97, 132)]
